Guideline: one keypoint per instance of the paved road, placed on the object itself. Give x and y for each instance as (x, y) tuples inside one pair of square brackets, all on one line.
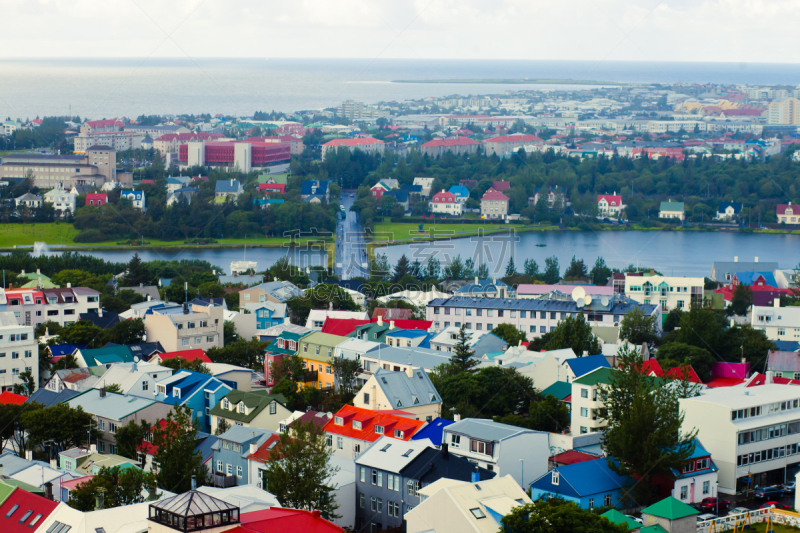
[(351, 256)]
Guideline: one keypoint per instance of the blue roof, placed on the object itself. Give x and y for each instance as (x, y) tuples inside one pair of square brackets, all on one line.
[(49, 398), (412, 188), (582, 479), (787, 346), (433, 431), (482, 286), (267, 201), (227, 186), (138, 195), (699, 451), (737, 206), (584, 365), (309, 186), (189, 382), (64, 349), (408, 333), (400, 196), (204, 443), (747, 278), (460, 191)]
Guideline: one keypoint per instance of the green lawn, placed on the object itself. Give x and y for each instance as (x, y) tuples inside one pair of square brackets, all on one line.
[(391, 231)]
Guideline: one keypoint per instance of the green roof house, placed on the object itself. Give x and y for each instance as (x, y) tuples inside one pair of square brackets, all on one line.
[(83, 462), (256, 409), (671, 514), (106, 356), (585, 401), (672, 209), (36, 279), (615, 517), (5, 491)]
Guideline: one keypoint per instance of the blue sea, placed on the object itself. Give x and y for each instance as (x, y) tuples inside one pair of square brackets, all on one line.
[(106, 88)]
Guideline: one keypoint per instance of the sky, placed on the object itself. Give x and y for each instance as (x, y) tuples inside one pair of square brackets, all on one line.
[(617, 30)]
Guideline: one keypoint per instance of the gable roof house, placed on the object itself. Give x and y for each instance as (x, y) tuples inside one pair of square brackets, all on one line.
[(723, 271), (315, 189), (670, 209), (272, 291), (353, 429), (728, 210), (135, 379), (411, 391), (199, 392), (137, 198), (255, 409), (186, 327), (231, 452), (590, 484), (228, 188)]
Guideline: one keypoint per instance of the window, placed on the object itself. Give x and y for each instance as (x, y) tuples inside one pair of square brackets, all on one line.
[(479, 446), (373, 504), (329, 438), (591, 503), (145, 385), (112, 427), (366, 398), (363, 475), (455, 441), (378, 430), (361, 500), (584, 393), (12, 511), (684, 492), (398, 434), (584, 412), (413, 487), (706, 487), (556, 478), (273, 408), (241, 408), (477, 513), (340, 443), (239, 471)]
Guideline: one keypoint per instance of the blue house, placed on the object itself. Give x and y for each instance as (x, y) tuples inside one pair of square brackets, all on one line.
[(231, 452), (266, 202), (317, 188), (268, 314), (590, 484), (461, 192), (579, 366), (200, 392), (433, 431), (760, 279)]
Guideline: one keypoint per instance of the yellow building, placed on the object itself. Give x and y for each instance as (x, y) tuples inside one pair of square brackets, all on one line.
[(316, 350)]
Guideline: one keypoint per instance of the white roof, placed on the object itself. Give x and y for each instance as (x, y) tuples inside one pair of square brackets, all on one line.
[(223, 368), (123, 374), (247, 498), (123, 519), (775, 316), (417, 298), (391, 454), (443, 337), (291, 418), (741, 397), (319, 315), (37, 475), (357, 345)]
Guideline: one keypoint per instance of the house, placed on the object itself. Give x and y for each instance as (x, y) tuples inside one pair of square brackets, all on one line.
[(672, 210), (617, 518), (505, 144), (486, 288), (723, 271), (34, 306), (785, 364), (426, 184), (134, 379), (555, 197), (199, 392), (671, 292), (728, 210), (754, 279), (353, 429), (410, 391), (254, 409), (185, 327), (273, 291), (392, 313), (547, 369), (778, 323), (23, 511), (266, 188), (103, 357), (377, 331), (651, 367), (499, 447), (317, 317), (401, 198), (96, 199), (363, 144), (449, 506), (433, 431), (29, 200), (83, 462), (187, 355), (316, 349), (181, 195), (286, 343), (610, 205), (697, 480), (787, 213), (586, 400), (494, 204), (137, 198), (48, 398), (226, 189), (146, 450), (454, 145), (279, 520), (264, 315), (408, 338), (73, 379), (669, 515), (63, 201), (112, 411), (446, 203), (315, 188), (378, 190), (480, 342), (20, 352), (231, 452), (238, 377), (590, 484)]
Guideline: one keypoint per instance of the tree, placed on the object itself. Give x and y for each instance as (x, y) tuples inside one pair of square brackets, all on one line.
[(600, 273), (127, 332), (576, 270), (677, 354), (114, 388), (549, 414), (673, 319), (28, 385), (137, 273), (510, 334), (249, 354), (211, 289), (401, 268), (64, 426), (483, 271), (299, 472), (511, 268), (741, 300), (531, 268), (576, 333), (319, 297), (555, 515), (229, 334), (552, 273), (345, 374), (177, 458), (119, 487), (704, 328), (643, 431), (81, 332), (488, 392), (179, 363), (222, 426), (129, 437), (638, 327), (463, 355)]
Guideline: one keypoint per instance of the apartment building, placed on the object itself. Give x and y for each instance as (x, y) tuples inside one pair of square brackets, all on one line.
[(96, 167), (118, 140), (480, 342), (586, 402), (19, 352), (784, 112), (446, 203), (504, 144), (185, 327), (669, 292), (316, 350), (455, 145), (494, 204), (533, 317), (778, 323), (499, 447), (155, 131), (753, 433), (358, 112), (368, 145), (32, 307)]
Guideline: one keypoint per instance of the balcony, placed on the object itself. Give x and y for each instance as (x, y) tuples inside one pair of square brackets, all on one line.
[(224, 481), (310, 376)]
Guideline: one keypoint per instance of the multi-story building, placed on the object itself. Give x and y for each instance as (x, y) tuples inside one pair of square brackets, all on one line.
[(455, 145), (499, 447), (316, 350), (255, 409), (32, 307), (182, 327), (505, 144), (411, 391), (118, 140), (19, 352), (358, 112), (778, 323), (353, 429), (155, 131), (533, 317), (753, 433), (63, 201), (241, 155), (199, 392), (494, 204), (230, 453), (446, 203), (586, 401), (96, 167), (366, 144), (787, 213), (134, 379), (786, 111), (272, 291), (610, 205), (101, 126), (480, 342), (669, 292)]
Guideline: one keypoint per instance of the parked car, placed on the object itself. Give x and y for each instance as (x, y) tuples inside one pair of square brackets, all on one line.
[(789, 488), (738, 510), (639, 520), (763, 493), (712, 504), (706, 516), (776, 505)]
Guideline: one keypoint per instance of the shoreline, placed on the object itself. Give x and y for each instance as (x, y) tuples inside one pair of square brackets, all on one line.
[(521, 81)]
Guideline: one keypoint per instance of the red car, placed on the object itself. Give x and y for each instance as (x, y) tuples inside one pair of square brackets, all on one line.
[(712, 504), (776, 505)]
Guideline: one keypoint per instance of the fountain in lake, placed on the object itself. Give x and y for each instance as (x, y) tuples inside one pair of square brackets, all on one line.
[(40, 249)]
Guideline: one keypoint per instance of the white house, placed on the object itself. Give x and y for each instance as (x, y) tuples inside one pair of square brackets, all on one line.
[(670, 291), (316, 317), (137, 198), (778, 323), (446, 203), (19, 352), (426, 184), (135, 379), (63, 201), (610, 205)]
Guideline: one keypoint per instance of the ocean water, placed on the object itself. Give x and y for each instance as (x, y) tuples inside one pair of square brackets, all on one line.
[(105, 88)]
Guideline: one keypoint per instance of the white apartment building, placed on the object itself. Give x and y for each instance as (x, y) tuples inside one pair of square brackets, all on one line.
[(778, 323), (784, 112), (586, 402), (669, 292), (181, 327), (118, 140), (31, 307), (63, 201), (19, 352), (748, 430)]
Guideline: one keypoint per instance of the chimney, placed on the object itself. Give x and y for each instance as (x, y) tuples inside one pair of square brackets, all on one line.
[(445, 451), (98, 501), (54, 464), (776, 302), (141, 285), (103, 392), (380, 320), (476, 476), (735, 258), (391, 324), (410, 371), (29, 455), (100, 312), (23, 273), (93, 448), (274, 279), (1, 471), (756, 259), (456, 418), (652, 272), (494, 281), (476, 280), (134, 366), (69, 285), (330, 306), (315, 514), (38, 271), (148, 297), (194, 482), (769, 377), (585, 353), (253, 447), (48, 491)]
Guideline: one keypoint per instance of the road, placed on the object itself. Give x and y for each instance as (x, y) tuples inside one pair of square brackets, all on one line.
[(351, 248)]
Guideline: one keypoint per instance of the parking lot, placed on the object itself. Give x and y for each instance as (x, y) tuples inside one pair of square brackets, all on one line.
[(750, 502)]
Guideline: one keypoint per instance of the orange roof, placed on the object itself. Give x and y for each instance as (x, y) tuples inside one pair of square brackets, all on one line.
[(389, 422)]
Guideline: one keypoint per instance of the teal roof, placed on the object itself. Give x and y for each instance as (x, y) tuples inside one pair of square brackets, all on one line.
[(559, 389), (671, 206), (109, 354)]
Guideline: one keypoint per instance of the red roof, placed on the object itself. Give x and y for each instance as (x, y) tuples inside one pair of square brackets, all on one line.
[(273, 187), (345, 326), (280, 520), (513, 139), (501, 185), (262, 454), (102, 123), (492, 194), (36, 507), (612, 199), (188, 355), (72, 483), (444, 198), (353, 142), (571, 457), (369, 419), (148, 182), (783, 207), (651, 367), (147, 446), (454, 141), (10, 397), (761, 379)]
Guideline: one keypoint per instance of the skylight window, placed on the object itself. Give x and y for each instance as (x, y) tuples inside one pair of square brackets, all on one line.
[(477, 513), (12, 511), (386, 447)]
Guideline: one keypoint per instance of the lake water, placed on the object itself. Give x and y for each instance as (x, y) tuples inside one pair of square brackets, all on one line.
[(105, 88)]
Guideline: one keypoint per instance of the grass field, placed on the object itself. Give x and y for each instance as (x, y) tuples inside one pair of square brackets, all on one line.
[(385, 231)]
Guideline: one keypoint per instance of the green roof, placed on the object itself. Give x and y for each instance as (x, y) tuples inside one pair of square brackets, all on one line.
[(45, 284), (286, 335), (671, 509), (598, 375), (671, 206), (255, 401), (33, 276), (277, 178), (559, 389), (23, 486), (5, 491), (321, 339), (655, 528), (109, 354), (615, 517)]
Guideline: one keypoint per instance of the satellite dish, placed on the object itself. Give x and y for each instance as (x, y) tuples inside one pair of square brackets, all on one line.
[(578, 293), (587, 299), (604, 300), (579, 303), (135, 358)]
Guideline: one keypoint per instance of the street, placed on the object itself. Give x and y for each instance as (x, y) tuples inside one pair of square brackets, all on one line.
[(351, 249)]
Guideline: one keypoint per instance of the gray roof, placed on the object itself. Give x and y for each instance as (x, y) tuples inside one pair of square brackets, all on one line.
[(278, 310), (228, 186), (281, 290), (392, 455), (113, 406), (720, 268), (275, 331), (12, 463), (618, 306), (75, 453), (487, 429), (783, 361), (147, 290), (403, 391), (242, 434), (192, 503), (419, 357), (483, 285)]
